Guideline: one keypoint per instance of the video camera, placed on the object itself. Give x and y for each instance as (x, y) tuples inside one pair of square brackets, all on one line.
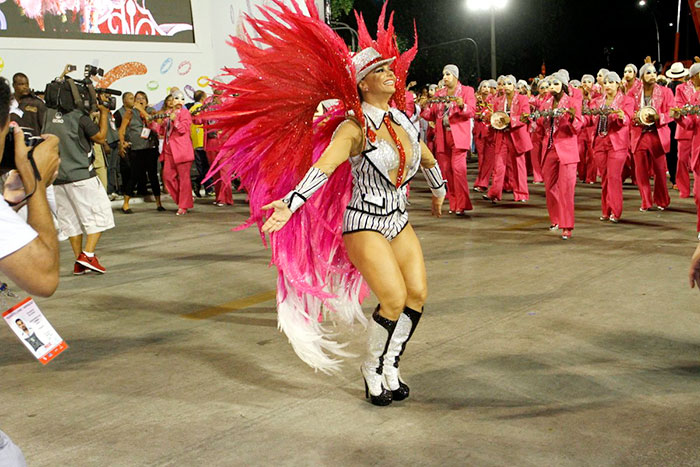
[(67, 94)]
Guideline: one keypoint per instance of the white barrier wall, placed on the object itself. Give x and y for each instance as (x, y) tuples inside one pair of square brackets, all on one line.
[(152, 67)]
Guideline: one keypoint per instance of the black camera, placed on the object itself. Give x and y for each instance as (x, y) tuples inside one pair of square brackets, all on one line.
[(8, 156), (69, 94)]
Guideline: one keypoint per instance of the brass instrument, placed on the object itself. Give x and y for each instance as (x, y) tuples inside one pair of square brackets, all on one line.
[(159, 116), (646, 115), (598, 111), (551, 113), (687, 109), (441, 100)]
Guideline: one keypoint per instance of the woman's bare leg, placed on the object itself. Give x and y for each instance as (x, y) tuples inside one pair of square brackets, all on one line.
[(374, 257)]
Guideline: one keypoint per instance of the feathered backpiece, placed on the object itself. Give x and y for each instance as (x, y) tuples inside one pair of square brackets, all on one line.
[(290, 62), (388, 47)]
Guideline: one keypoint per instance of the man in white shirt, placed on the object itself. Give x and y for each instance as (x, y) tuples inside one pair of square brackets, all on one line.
[(28, 250)]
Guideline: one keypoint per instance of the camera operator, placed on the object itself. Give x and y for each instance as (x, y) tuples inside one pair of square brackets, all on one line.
[(82, 203), (26, 109), (28, 250)]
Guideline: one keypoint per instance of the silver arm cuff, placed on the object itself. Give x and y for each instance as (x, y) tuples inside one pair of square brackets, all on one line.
[(435, 181), (312, 181)]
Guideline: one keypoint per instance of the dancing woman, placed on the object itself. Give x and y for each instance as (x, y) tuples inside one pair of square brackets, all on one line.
[(346, 219), (610, 123)]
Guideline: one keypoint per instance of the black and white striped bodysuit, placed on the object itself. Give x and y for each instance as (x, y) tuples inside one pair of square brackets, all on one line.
[(376, 204)]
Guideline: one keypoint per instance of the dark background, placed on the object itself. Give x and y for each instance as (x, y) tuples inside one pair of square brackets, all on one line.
[(581, 36), (163, 11)]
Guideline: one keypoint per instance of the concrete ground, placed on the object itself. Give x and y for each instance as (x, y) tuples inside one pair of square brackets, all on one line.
[(533, 351)]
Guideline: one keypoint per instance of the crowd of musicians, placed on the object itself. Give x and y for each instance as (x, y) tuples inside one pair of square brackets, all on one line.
[(605, 127)]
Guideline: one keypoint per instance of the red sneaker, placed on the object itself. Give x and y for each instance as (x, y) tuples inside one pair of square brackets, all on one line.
[(90, 263), (79, 269)]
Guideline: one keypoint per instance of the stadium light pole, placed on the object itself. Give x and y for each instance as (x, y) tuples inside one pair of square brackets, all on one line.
[(642, 4), (490, 6)]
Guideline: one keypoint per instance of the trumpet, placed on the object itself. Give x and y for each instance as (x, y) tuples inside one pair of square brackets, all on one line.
[(596, 111), (688, 109), (442, 99), (551, 113)]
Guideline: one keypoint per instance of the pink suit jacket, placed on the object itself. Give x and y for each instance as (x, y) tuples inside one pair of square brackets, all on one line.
[(565, 130), (618, 128), (459, 118), (662, 101), (178, 142), (518, 130), (691, 123), (684, 93)]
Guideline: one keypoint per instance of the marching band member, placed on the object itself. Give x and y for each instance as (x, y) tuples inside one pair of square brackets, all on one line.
[(484, 138), (631, 84), (453, 136), (684, 93), (600, 81), (512, 142), (610, 125), (587, 170), (651, 138), (537, 132), (560, 154), (691, 122), (523, 88)]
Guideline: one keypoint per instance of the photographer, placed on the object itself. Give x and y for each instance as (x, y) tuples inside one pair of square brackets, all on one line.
[(28, 250), (82, 203)]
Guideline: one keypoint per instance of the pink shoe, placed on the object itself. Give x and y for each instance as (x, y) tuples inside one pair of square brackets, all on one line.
[(566, 234), (181, 212)]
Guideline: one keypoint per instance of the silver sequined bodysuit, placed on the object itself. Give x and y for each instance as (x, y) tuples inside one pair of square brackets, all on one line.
[(376, 203)]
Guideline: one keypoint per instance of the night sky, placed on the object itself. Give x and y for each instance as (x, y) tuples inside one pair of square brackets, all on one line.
[(581, 36)]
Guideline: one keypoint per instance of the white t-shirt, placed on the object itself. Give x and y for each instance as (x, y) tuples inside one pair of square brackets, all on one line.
[(15, 233)]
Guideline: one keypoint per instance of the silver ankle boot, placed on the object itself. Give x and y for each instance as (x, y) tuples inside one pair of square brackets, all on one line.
[(379, 333), (405, 327)]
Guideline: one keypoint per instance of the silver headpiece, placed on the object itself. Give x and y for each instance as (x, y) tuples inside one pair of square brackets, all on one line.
[(367, 60)]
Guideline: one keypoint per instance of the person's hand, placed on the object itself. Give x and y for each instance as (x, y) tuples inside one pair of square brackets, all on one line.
[(436, 207), (694, 274), (173, 116), (422, 101), (45, 158), (123, 146), (13, 188), (505, 121), (279, 217), (460, 102), (572, 113)]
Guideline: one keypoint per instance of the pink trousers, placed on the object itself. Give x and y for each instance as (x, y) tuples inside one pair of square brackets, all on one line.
[(587, 169), (536, 159), (560, 185), (683, 167), (505, 152), (610, 164), (453, 164), (696, 190), (486, 162), (223, 190), (177, 181), (650, 155)]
